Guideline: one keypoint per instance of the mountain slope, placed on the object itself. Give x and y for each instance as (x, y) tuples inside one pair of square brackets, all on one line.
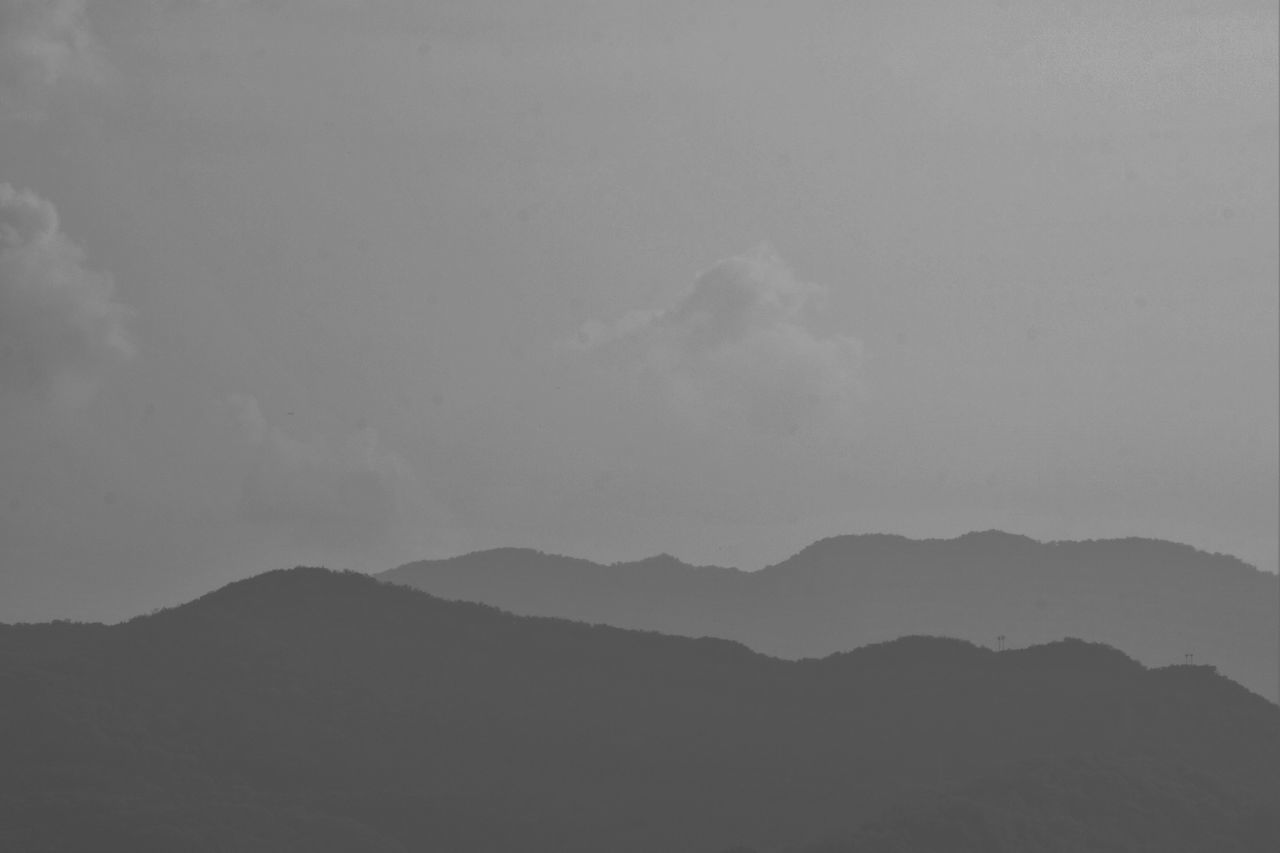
[(1068, 804), (311, 710), (1156, 600)]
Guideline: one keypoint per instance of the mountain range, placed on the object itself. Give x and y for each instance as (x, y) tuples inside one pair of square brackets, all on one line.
[(309, 710), (1156, 600)]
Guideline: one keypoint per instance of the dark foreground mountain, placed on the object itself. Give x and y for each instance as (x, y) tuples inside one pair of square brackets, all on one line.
[(1156, 600), (1046, 806), (307, 710), (1052, 806)]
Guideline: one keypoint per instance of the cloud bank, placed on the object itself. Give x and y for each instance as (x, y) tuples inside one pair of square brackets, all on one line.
[(60, 326), (740, 347)]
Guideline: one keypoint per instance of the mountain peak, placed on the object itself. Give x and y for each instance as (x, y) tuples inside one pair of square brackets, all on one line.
[(996, 537)]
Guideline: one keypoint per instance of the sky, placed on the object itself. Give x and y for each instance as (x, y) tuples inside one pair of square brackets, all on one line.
[(357, 282)]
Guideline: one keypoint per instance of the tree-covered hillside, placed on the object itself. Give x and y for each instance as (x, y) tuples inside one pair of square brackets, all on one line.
[(312, 710)]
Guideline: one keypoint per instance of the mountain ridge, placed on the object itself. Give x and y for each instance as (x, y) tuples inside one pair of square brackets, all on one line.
[(312, 710), (1157, 600)]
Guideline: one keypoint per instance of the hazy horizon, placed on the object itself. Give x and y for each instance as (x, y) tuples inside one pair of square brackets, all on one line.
[(195, 592), (360, 282)]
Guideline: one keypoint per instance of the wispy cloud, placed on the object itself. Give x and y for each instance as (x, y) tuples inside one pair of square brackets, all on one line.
[(346, 494), (60, 324), (41, 43), (741, 346)]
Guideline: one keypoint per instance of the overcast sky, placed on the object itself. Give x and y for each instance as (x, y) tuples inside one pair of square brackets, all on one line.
[(354, 282)]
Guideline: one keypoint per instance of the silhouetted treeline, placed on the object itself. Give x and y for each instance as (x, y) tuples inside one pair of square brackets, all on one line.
[(316, 711)]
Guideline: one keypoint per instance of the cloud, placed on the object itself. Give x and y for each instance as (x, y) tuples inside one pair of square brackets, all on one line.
[(42, 42), (60, 325), (740, 347), (346, 495)]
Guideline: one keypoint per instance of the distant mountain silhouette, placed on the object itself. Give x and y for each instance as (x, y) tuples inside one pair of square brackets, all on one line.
[(1156, 600), (307, 710)]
